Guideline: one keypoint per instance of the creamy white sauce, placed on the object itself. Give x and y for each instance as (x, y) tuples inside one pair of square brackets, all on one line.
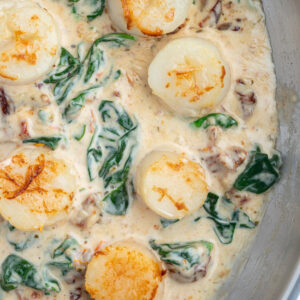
[(248, 54)]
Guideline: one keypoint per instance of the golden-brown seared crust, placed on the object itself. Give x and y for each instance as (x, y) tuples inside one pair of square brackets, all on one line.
[(24, 188), (123, 270), (36, 189)]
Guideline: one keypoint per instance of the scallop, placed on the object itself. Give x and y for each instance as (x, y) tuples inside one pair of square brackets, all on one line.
[(148, 17), (190, 76), (29, 42), (170, 184), (124, 269), (36, 188)]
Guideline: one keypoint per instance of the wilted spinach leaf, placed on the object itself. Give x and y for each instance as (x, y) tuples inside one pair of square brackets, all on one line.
[(225, 225), (21, 240), (166, 222), (260, 173), (18, 271), (79, 136), (92, 8), (215, 119), (49, 141), (186, 261), (70, 70), (63, 255), (110, 155)]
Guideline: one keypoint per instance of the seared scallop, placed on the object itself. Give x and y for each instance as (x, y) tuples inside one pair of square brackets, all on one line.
[(124, 271), (190, 76), (29, 41), (36, 188), (172, 185), (148, 17)]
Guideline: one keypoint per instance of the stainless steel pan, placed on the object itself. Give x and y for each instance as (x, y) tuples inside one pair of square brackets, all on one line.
[(270, 268)]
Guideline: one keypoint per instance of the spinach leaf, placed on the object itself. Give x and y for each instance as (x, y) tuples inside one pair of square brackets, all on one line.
[(65, 245), (65, 75), (186, 261), (63, 255), (49, 141), (166, 222), (21, 246), (77, 103), (18, 271), (78, 137), (225, 226), (241, 218), (117, 201), (94, 154), (98, 11), (215, 119), (94, 57), (110, 155), (224, 231), (92, 8), (21, 240), (115, 39), (260, 173), (117, 75), (71, 70)]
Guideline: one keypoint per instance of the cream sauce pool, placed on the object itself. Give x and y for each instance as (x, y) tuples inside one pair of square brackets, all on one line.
[(238, 30)]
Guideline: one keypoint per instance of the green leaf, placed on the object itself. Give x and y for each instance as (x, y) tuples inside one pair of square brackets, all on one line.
[(166, 222), (98, 11), (186, 261), (77, 103), (117, 201), (224, 232), (116, 39), (49, 141), (215, 119), (94, 60), (117, 74), (242, 219), (21, 246), (260, 173), (79, 136), (94, 154), (225, 226), (66, 66), (18, 271), (110, 152), (63, 255), (71, 69), (65, 245)]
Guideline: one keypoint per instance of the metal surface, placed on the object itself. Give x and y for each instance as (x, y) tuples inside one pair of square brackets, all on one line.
[(271, 266)]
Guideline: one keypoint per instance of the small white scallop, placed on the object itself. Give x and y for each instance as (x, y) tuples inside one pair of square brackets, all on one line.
[(190, 76), (170, 184), (36, 188), (148, 17), (124, 271), (29, 41)]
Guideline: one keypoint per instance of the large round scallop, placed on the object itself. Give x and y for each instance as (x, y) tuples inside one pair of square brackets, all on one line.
[(124, 271), (36, 188), (28, 41), (148, 17), (190, 76), (170, 184)]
